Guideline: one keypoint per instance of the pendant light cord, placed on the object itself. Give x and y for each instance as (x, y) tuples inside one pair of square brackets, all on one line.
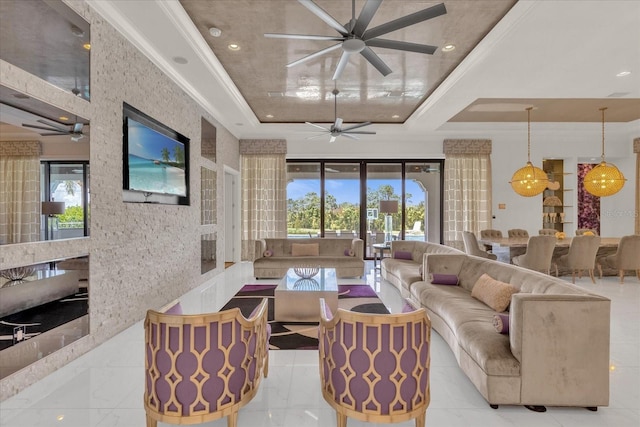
[(602, 109), (529, 134)]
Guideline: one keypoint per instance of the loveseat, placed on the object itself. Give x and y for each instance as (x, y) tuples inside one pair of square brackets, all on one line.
[(550, 347), (273, 256), (405, 264)]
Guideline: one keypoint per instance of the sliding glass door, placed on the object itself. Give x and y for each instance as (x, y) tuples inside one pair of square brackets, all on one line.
[(376, 200)]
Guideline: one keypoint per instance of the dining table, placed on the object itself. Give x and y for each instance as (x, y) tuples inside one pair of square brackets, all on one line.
[(506, 248)]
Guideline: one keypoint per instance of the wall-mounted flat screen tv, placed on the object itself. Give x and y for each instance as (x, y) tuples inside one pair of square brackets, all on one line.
[(156, 159)]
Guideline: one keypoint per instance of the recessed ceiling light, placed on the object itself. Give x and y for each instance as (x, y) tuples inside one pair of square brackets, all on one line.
[(448, 47), (87, 46), (20, 96), (395, 116), (623, 73), (234, 46), (239, 124), (180, 60), (269, 116), (63, 118), (76, 31), (215, 32)]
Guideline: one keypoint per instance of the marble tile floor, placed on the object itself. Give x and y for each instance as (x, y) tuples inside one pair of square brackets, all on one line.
[(104, 387)]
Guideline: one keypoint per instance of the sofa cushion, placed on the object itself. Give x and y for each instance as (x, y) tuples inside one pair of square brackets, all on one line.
[(494, 293), (501, 323), (444, 279), (402, 255), (305, 249)]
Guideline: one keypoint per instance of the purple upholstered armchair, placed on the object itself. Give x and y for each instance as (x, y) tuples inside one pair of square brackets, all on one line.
[(203, 367), (375, 367)]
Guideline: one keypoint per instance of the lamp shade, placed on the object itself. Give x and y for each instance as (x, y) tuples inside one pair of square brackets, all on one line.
[(603, 180), (388, 206), (529, 181), (52, 208)]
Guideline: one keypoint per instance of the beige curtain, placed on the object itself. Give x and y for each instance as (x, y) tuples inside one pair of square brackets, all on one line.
[(636, 149), (467, 188), (19, 191), (264, 192)]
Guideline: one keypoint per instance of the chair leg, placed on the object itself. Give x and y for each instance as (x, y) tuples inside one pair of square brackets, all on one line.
[(151, 422), (600, 270), (621, 276), (420, 419), (638, 274), (573, 277), (556, 269), (265, 369), (232, 419), (593, 278), (342, 419)]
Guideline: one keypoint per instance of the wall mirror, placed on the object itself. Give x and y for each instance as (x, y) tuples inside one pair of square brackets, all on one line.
[(44, 154)]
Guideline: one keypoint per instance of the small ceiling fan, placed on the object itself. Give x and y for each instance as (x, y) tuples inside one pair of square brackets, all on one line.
[(74, 130), (336, 128), (355, 38)]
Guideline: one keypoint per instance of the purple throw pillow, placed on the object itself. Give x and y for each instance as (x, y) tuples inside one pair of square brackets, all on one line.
[(175, 309), (444, 279), (501, 323), (349, 252), (402, 255), (408, 307)]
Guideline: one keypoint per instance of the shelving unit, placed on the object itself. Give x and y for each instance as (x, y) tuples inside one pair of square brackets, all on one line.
[(555, 210)]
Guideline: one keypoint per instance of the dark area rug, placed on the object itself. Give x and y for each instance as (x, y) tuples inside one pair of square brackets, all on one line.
[(26, 324), (303, 335)]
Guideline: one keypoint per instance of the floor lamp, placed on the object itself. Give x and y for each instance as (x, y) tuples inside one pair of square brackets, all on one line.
[(50, 209), (388, 207)]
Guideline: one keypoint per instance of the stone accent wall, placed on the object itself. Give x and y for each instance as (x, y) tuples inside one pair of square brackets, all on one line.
[(141, 255)]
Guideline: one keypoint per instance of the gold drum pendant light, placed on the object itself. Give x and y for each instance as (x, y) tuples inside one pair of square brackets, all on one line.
[(605, 179), (529, 181)]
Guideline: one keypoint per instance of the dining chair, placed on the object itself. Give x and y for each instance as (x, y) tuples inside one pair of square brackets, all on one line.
[(538, 255), (547, 232), (472, 247), (517, 232), (627, 257), (491, 234), (581, 231), (375, 367), (581, 256), (201, 367)]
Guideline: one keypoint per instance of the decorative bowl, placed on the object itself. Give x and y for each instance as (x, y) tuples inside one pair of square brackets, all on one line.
[(306, 272), (306, 285)]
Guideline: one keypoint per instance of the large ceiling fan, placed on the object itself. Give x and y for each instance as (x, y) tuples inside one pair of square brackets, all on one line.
[(336, 128), (74, 130), (356, 38)]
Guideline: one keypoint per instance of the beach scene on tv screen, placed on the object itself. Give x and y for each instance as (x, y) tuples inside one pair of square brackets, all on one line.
[(156, 162)]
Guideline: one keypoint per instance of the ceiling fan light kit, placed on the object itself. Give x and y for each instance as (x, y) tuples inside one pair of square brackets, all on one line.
[(354, 37)]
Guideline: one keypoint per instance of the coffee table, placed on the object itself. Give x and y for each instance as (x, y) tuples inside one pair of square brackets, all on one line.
[(297, 299)]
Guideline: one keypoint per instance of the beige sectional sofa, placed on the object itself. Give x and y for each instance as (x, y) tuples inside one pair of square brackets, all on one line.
[(273, 257), (556, 352), (403, 272)]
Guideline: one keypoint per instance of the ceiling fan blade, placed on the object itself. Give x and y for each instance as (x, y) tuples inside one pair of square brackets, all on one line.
[(399, 45), (26, 125), (332, 139), (316, 136), (53, 134), (344, 60), (320, 13), (349, 136), (366, 15), (77, 127), (318, 126), (301, 37), (375, 60), (359, 125), (338, 124), (405, 21), (57, 126), (359, 132), (314, 55)]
